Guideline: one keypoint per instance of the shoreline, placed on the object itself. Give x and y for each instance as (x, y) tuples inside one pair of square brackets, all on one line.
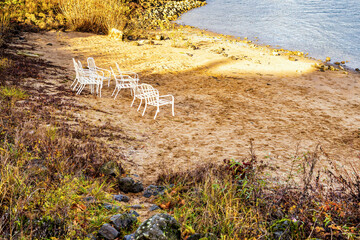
[(337, 64), (322, 63)]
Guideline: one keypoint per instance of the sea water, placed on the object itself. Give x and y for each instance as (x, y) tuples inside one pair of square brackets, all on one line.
[(322, 28)]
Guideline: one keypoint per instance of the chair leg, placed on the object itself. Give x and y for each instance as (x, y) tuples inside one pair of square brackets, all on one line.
[(75, 85), (80, 89), (117, 93), (139, 105), (114, 91), (157, 110), (75, 80), (144, 109), (132, 101)]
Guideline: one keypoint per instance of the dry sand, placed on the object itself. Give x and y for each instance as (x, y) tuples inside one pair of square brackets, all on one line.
[(220, 103)]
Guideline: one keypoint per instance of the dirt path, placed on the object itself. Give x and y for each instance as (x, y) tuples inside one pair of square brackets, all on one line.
[(220, 103)]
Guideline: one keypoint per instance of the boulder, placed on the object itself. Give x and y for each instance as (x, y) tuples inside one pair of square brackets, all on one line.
[(108, 232), (116, 34), (127, 184), (121, 198), (123, 221), (153, 190), (129, 237), (159, 227)]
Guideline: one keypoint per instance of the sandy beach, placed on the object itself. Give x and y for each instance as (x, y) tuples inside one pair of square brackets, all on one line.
[(226, 93)]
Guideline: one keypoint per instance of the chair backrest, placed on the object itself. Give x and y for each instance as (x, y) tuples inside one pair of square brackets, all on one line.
[(113, 73), (151, 95), (74, 61), (76, 66), (119, 70), (91, 63)]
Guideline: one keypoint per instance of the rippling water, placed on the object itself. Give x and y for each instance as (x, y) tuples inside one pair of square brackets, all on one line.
[(323, 28)]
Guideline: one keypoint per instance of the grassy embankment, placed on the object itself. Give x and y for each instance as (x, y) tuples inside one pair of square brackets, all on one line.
[(48, 169)]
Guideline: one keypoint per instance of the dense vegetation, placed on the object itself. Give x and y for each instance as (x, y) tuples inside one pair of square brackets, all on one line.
[(130, 16), (48, 169), (237, 200)]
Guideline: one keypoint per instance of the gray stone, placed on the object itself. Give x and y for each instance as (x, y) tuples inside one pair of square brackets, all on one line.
[(129, 237), (133, 212), (121, 198), (154, 207), (108, 232), (127, 184), (203, 236), (134, 206), (109, 206), (153, 190), (159, 227), (114, 217), (123, 221)]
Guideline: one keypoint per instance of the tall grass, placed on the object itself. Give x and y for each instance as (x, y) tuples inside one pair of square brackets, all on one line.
[(46, 169), (97, 16), (4, 25), (237, 201)]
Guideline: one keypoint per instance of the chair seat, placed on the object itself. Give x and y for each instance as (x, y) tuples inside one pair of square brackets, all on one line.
[(160, 102), (151, 96)]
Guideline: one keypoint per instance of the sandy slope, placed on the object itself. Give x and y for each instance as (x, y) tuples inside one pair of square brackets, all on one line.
[(221, 103)]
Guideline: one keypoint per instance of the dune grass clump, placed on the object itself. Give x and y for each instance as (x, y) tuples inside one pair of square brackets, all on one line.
[(97, 16), (238, 201)]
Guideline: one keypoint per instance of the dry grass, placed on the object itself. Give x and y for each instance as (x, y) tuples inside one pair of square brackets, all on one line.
[(4, 26), (237, 201), (47, 169), (96, 16)]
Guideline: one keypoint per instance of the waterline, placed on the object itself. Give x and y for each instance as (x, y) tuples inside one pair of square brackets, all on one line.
[(321, 28)]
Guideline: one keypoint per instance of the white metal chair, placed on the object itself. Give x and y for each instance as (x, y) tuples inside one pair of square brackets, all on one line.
[(106, 73), (127, 73), (139, 95), (151, 96), (86, 77), (76, 80), (124, 81)]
